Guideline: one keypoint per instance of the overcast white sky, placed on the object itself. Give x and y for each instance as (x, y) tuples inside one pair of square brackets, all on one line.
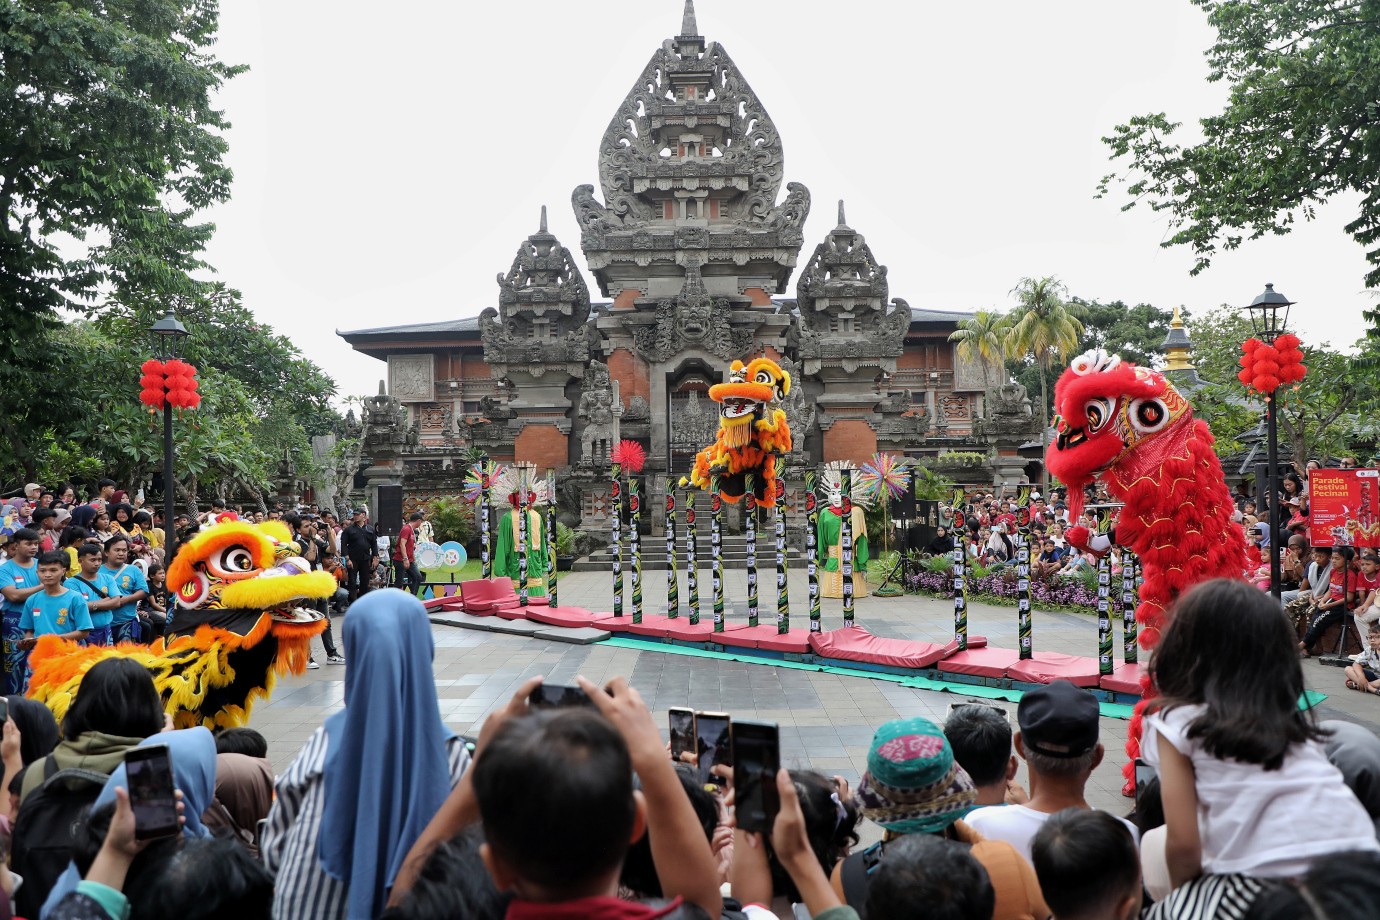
[(389, 158)]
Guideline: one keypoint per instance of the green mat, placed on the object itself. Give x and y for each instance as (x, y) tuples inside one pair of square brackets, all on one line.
[(1110, 710)]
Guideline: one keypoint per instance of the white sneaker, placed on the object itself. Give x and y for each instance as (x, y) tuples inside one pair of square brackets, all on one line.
[(312, 665), (335, 659)]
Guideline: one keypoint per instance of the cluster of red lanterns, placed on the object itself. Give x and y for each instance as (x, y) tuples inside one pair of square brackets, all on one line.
[(1266, 366), (171, 381)]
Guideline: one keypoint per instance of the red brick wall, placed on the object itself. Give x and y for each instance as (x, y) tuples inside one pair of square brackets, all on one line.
[(633, 374), (913, 357), (474, 366), (760, 298), (624, 300), (543, 445), (850, 439)]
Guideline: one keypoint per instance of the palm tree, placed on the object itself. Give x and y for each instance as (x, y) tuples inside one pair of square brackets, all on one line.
[(1045, 327), (982, 339)]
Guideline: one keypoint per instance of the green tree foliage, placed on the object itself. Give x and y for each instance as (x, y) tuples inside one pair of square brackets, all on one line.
[(107, 139), (1044, 328), (1300, 128), (982, 339)]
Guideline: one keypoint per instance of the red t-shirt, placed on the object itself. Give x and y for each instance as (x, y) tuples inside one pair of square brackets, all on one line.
[(406, 545), (1337, 587), (1363, 585)]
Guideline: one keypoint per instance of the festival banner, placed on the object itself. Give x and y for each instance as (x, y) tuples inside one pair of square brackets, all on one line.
[(1342, 506)]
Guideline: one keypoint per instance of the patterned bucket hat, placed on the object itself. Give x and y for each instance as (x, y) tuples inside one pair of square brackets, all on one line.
[(913, 785)]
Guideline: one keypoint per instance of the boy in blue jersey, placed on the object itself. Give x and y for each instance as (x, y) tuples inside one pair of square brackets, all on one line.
[(127, 583), (54, 611), (89, 584), (18, 582)]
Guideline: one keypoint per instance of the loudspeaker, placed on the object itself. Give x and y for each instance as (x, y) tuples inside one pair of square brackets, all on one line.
[(388, 519), (903, 508)]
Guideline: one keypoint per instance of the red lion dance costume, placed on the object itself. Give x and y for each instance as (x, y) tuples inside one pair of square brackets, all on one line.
[(1129, 427)]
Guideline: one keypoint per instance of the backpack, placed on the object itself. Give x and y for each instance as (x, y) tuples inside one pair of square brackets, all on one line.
[(41, 843)]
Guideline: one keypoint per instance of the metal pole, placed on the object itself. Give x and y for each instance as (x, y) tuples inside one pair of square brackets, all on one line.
[(692, 577), (783, 598), (1104, 614), (672, 576), (551, 538), (716, 528), (812, 547), (750, 513), (486, 557), (635, 545), (1272, 426), (846, 544), (169, 489)]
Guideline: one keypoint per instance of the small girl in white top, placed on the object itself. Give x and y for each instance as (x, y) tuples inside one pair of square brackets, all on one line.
[(1247, 788)]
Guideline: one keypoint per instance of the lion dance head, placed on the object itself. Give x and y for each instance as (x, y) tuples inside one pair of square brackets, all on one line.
[(244, 614), (752, 432)]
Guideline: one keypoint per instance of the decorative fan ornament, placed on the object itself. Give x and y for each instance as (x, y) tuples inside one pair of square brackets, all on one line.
[(473, 485), (884, 473)]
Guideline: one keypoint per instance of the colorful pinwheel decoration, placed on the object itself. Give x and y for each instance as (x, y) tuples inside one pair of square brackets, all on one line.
[(884, 472), (473, 486)]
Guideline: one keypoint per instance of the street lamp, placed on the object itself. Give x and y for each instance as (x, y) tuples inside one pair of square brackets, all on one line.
[(168, 338), (1269, 312)]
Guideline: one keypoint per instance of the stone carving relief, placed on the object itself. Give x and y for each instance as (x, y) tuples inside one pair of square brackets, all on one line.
[(695, 424), (544, 279), (410, 377), (1009, 414), (601, 409)]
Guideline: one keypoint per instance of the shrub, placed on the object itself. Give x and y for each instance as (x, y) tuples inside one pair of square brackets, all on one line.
[(453, 519)]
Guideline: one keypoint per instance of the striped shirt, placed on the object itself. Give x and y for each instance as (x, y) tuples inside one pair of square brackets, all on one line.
[(290, 839)]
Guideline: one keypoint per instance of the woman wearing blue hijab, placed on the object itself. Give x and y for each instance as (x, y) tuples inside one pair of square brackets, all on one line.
[(368, 781), (193, 755)]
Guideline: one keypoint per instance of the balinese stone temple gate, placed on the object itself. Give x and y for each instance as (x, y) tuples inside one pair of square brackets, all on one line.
[(692, 249)]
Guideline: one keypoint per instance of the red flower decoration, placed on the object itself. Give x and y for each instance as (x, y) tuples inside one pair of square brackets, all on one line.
[(630, 455)]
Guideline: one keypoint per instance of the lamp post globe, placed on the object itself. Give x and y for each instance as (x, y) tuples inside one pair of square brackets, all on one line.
[(1269, 313)]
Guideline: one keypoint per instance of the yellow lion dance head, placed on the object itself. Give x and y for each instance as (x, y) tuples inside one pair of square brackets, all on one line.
[(752, 432), (244, 614)]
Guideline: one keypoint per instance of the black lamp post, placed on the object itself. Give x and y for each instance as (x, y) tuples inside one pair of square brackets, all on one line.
[(168, 338), (1269, 312)]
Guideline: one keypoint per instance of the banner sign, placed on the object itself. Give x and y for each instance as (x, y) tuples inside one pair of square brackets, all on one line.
[(1342, 506)]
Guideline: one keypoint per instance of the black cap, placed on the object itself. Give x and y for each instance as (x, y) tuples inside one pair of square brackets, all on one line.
[(1058, 720), (356, 511)]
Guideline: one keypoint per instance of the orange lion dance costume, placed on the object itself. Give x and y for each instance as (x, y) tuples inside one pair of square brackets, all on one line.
[(752, 432), (1129, 427), (237, 626)]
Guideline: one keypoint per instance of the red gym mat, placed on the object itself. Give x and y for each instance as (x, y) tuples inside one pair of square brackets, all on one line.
[(484, 592), (561, 616), (980, 662), (653, 625), (703, 631), (1125, 678), (973, 642), (442, 603), (606, 620), (854, 643), (1044, 667), (513, 613), (767, 638)]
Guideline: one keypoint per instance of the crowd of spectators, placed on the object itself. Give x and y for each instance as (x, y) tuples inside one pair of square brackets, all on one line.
[(1257, 810)]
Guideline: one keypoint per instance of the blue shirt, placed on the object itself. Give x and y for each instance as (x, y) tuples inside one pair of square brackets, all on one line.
[(123, 583), (88, 594), (47, 615), (16, 576)]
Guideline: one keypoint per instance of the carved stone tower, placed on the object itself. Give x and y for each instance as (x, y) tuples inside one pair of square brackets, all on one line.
[(849, 338), (690, 242), (537, 343)]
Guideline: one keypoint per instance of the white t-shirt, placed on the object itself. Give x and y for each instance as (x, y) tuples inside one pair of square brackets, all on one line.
[(1264, 823), (1016, 824)]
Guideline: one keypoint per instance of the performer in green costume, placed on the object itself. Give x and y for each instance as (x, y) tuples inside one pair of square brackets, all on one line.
[(506, 557), (830, 536)]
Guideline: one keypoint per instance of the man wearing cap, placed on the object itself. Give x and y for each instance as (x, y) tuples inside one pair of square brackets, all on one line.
[(913, 785), (1058, 739)]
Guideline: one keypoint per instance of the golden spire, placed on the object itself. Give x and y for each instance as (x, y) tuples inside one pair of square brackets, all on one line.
[(1177, 346)]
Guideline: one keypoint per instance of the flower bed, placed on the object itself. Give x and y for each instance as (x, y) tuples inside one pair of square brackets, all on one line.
[(1073, 594)]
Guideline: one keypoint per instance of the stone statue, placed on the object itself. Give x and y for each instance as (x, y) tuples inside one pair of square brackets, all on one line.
[(601, 410)]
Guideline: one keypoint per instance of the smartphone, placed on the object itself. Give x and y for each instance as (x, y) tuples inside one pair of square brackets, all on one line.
[(149, 776), (756, 758), (557, 696), (682, 731), (1144, 773), (4, 710), (712, 743)]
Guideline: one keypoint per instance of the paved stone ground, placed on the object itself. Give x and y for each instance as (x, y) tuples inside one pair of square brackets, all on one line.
[(826, 720)]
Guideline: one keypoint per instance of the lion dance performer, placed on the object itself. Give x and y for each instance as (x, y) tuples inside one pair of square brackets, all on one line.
[(245, 614), (1129, 427), (752, 432)]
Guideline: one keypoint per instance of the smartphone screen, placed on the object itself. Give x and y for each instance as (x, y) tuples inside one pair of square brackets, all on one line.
[(4, 709), (148, 772), (557, 696), (712, 742), (682, 732), (756, 758), (1144, 773)]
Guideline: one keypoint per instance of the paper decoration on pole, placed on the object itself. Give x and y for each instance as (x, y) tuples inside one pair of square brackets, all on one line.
[(152, 383), (1265, 366), (630, 455), (474, 484), (884, 472)]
